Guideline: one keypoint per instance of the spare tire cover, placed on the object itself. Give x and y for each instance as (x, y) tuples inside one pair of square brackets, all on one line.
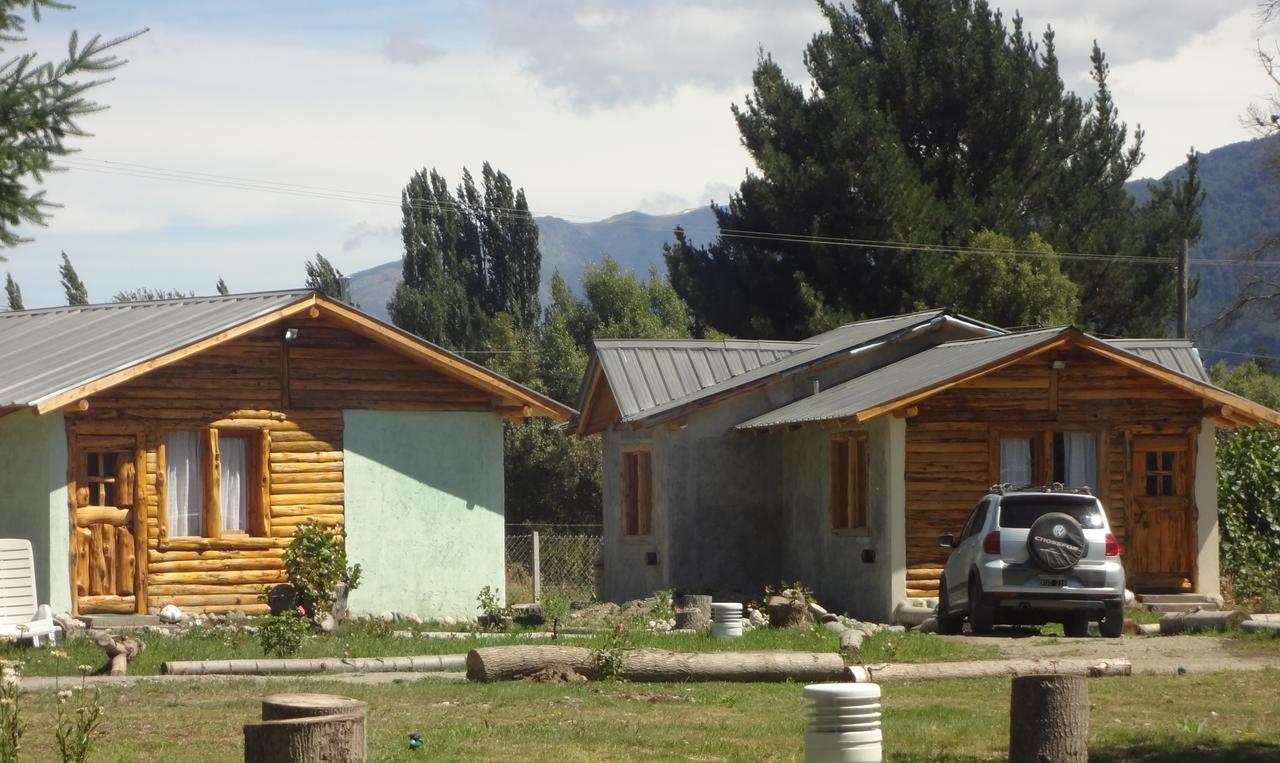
[(1056, 542)]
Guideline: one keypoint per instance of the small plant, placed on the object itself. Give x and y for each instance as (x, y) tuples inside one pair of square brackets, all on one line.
[(555, 608), (1193, 728), (497, 615), (11, 724), (802, 590), (608, 661), (661, 604), (316, 562), (76, 727), (281, 635)]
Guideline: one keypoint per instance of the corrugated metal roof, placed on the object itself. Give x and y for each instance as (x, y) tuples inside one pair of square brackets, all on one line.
[(649, 392), (1175, 354), (45, 352), (918, 372), (644, 374)]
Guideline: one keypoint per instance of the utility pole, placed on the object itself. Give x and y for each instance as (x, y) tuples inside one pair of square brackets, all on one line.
[(1184, 261)]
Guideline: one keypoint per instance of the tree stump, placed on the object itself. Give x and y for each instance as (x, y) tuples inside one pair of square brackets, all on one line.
[(1049, 719), (282, 598), (339, 610), (693, 612), (120, 651), (307, 728), (788, 609)]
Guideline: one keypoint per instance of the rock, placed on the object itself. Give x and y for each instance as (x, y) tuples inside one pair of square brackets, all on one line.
[(816, 610), (757, 619), (449, 621), (895, 628), (238, 616), (1129, 598), (69, 624), (835, 626), (156, 629), (387, 617), (402, 634), (327, 623), (928, 626), (413, 619), (829, 618), (172, 615), (282, 598)]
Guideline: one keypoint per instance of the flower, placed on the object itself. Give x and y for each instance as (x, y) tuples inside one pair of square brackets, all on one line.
[(84, 668), (301, 611), (57, 654)]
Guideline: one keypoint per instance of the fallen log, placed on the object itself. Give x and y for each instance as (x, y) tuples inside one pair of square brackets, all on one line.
[(120, 651), (322, 665), (502, 663), (986, 669), (1258, 626), (1190, 622), (911, 616)]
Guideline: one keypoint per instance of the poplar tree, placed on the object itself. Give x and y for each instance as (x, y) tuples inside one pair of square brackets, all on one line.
[(323, 277), (72, 286), (13, 292), (221, 287)]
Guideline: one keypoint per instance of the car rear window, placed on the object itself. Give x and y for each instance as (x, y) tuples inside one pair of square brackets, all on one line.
[(1022, 511)]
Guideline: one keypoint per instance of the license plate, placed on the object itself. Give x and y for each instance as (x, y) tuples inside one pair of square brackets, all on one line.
[(1052, 582)]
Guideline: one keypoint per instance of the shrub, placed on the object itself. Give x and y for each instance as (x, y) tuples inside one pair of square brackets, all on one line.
[(1249, 509), (497, 615), (281, 635), (316, 562)]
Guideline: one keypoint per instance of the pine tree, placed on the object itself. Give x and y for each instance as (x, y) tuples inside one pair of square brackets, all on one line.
[(222, 287), (14, 293), (72, 286), (928, 121), (40, 104), (323, 277)]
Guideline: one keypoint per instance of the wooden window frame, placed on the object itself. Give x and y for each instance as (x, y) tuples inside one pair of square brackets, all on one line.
[(848, 500), (637, 493), (257, 498), (1042, 448)]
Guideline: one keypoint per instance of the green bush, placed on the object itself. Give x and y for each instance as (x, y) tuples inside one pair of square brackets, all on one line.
[(1249, 509), (316, 562), (281, 635)]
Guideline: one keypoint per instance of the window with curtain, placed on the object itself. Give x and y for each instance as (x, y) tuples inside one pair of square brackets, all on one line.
[(1017, 460), (184, 483), (1075, 459), (234, 483)]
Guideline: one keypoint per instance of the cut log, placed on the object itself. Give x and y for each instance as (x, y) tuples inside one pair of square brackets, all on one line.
[(986, 669), (300, 728), (1189, 622), (692, 612), (503, 663), (1261, 626), (429, 663), (788, 609), (120, 651), (1049, 719), (911, 616)]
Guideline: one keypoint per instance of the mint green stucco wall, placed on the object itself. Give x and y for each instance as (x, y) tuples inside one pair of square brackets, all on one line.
[(33, 498), (424, 510)]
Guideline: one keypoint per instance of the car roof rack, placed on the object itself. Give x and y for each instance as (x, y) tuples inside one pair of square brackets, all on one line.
[(1057, 487)]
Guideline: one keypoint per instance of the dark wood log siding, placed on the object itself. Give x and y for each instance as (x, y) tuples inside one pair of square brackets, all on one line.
[(238, 385), (952, 454)]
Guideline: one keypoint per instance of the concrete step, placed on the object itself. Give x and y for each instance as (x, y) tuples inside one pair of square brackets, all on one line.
[(118, 621)]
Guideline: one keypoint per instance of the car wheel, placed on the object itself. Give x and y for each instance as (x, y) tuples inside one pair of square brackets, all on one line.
[(1076, 626), (982, 616), (1112, 624), (947, 622)]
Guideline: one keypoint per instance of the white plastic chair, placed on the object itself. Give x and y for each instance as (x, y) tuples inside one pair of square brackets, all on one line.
[(21, 617)]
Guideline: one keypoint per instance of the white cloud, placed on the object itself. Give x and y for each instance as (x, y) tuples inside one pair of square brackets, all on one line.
[(406, 47)]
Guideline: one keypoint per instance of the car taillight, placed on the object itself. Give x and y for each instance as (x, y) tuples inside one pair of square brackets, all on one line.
[(991, 543), (1113, 545)]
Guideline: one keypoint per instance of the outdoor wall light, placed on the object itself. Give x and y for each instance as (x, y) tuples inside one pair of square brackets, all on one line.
[(290, 334), (1059, 364)]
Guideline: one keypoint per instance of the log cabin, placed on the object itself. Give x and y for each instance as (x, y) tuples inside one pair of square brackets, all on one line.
[(165, 452), (840, 459)]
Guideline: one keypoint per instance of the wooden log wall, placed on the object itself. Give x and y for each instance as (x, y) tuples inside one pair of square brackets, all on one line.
[(953, 450), (296, 403)]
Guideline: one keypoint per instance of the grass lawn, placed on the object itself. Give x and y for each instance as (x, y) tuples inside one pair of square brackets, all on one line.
[(365, 641), (1210, 717)]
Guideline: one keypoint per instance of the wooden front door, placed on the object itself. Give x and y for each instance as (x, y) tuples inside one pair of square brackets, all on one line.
[(1162, 529), (106, 506)]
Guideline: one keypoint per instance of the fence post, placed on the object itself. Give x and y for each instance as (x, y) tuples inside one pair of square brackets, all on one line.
[(537, 570)]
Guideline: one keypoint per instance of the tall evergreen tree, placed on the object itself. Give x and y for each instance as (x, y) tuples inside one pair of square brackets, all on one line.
[(323, 277), (40, 104), (13, 292), (146, 294), (928, 121), (221, 287), (72, 286), (469, 256)]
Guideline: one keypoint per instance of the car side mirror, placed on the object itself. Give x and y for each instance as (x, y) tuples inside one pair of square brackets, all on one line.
[(947, 541)]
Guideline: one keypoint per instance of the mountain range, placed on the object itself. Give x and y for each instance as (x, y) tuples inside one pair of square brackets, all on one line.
[(1242, 195)]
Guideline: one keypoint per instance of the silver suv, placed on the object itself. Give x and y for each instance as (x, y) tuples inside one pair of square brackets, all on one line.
[(1031, 556)]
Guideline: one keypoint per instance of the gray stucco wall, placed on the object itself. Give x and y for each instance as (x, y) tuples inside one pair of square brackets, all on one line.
[(33, 498), (424, 510), (1206, 501), (735, 511)]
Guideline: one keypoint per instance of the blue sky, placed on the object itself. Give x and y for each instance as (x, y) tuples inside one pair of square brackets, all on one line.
[(593, 107)]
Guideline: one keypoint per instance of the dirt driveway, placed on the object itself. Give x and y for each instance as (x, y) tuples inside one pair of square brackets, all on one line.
[(1149, 654)]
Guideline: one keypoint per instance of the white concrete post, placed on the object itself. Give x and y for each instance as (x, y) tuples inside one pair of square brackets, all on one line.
[(537, 569)]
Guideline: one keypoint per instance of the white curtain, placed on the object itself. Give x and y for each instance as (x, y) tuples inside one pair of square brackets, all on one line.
[(1015, 460), (184, 483), (1080, 459), (233, 452)]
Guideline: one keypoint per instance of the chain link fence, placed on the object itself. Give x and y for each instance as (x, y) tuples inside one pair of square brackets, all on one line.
[(562, 560)]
